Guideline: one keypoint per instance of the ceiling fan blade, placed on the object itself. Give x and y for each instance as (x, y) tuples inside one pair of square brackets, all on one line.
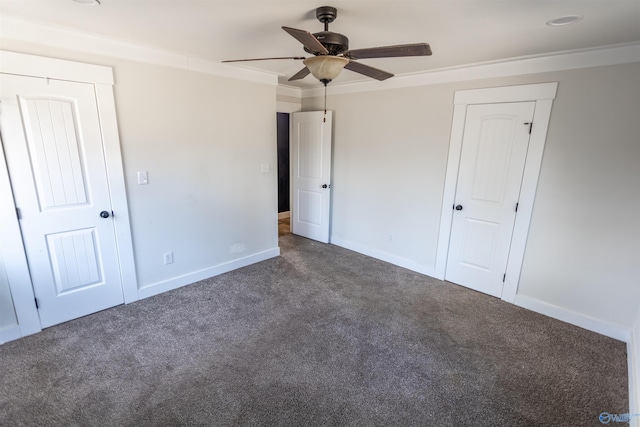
[(300, 74), (368, 71), (307, 39), (265, 59), (417, 49)]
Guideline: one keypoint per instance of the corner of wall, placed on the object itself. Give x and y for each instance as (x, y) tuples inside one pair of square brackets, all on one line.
[(206, 273), (383, 256)]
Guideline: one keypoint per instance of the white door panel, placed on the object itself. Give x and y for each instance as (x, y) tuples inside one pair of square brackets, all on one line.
[(311, 173), (494, 151), (53, 143)]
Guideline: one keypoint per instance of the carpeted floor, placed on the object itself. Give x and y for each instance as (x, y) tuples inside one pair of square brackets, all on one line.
[(318, 336)]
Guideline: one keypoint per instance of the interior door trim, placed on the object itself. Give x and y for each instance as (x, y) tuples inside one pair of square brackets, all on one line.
[(102, 79), (543, 94)]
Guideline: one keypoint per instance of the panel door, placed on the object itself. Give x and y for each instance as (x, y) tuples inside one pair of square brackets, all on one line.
[(53, 144), (311, 170), (494, 150)]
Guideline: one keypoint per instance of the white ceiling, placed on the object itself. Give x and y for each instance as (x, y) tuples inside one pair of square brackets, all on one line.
[(459, 32)]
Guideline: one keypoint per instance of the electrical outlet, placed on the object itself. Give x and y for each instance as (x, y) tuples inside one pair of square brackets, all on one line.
[(168, 258), (237, 248), (392, 237)]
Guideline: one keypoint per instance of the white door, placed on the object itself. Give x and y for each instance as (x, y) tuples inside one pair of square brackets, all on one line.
[(53, 144), (494, 150), (311, 174)]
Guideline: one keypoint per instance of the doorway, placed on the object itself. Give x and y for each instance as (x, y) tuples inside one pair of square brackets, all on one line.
[(306, 173), (284, 191)]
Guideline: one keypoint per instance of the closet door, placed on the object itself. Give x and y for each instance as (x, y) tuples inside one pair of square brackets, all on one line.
[(494, 150), (52, 140)]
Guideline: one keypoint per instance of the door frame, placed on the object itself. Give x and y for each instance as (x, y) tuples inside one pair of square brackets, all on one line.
[(15, 260), (289, 108), (543, 94)]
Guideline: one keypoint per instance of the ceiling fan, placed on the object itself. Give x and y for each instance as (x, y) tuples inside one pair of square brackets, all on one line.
[(331, 52)]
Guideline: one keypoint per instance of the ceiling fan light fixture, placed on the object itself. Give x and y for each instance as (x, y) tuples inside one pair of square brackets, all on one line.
[(332, 54), (325, 67)]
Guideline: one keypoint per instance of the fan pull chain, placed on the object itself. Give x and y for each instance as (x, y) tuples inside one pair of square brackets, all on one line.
[(324, 120)]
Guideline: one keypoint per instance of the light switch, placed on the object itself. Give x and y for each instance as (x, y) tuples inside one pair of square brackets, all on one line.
[(265, 168), (143, 178)]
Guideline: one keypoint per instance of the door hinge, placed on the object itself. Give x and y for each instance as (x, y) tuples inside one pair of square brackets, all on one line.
[(36, 301), (530, 126), (18, 214), (517, 206), (504, 277)]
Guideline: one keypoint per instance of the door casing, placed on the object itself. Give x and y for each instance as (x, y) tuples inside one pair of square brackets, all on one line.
[(16, 264), (543, 94)]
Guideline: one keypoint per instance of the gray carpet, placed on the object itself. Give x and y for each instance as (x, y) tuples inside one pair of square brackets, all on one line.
[(318, 336)]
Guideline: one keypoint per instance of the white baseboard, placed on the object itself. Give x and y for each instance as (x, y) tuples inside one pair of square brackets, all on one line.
[(196, 276), (283, 215), (10, 333), (633, 354), (632, 338), (586, 322), (384, 256), (633, 357)]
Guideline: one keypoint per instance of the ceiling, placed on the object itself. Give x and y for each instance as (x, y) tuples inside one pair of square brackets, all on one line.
[(459, 32)]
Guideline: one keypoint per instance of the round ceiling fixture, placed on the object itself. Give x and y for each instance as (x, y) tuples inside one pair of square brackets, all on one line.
[(88, 2), (564, 20)]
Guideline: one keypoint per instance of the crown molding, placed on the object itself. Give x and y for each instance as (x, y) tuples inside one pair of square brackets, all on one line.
[(51, 68), (43, 34), (285, 90), (559, 61), (13, 28)]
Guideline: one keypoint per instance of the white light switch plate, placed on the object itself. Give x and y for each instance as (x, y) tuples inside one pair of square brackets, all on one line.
[(143, 178)]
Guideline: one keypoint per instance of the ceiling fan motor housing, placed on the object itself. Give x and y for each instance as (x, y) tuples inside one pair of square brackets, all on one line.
[(334, 42)]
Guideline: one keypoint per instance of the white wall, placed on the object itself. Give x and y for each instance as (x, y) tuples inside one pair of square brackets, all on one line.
[(203, 140), (389, 166), (286, 103), (584, 240), (389, 161)]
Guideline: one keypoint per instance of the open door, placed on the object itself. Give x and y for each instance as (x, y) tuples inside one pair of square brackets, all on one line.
[(311, 174)]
